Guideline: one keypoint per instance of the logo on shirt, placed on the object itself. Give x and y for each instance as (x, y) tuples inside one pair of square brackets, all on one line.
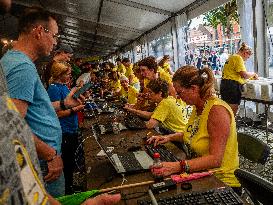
[(33, 188)]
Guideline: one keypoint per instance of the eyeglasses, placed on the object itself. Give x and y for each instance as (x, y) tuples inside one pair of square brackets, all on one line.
[(55, 36)]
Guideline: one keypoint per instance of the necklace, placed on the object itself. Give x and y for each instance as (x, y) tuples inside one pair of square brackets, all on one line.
[(193, 129)]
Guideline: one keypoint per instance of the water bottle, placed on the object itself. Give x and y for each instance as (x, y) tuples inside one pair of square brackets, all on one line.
[(157, 165)]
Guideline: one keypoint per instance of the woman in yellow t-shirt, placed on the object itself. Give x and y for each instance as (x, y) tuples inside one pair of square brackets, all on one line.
[(127, 91), (120, 67), (165, 65), (211, 131), (167, 112), (234, 76), (149, 70), (129, 73), (114, 83)]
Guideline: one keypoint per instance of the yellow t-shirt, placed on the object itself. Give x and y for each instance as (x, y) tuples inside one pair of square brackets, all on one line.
[(186, 109), (129, 72), (232, 68), (115, 85), (170, 114), (115, 69), (121, 69), (166, 67), (197, 137), (162, 75), (131, 94)]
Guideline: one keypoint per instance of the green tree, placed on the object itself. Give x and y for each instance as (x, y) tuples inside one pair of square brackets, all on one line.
[(224, 15)]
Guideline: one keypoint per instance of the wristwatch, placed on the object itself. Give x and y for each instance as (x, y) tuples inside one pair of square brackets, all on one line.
[(62, 105), (53, 157)]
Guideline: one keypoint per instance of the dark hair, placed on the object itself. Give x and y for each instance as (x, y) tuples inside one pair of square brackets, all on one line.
[(118, 59), (149, 62), (113, 75), (126, 60), (32, 17), (189, 75), (111, 65), (159, 85), (86, 67)]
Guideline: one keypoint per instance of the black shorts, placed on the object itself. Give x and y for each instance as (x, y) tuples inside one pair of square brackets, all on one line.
[(231, 91)]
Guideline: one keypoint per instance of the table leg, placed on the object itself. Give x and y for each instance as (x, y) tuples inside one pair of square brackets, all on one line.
[(266, 120)]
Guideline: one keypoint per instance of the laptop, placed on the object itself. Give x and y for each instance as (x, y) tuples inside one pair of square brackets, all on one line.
[(129, 162)]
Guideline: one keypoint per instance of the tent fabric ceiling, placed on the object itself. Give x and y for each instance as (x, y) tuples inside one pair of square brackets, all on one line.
[(100, 27)]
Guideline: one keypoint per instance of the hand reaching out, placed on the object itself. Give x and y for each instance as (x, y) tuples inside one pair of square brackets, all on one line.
[(158, 140), (70, 102), (167, 169)]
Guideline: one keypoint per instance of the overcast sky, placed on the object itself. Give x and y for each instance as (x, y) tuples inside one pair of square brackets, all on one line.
[(196, 21)]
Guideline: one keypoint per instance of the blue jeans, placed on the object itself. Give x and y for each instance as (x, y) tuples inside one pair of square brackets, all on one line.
[(55, 188)]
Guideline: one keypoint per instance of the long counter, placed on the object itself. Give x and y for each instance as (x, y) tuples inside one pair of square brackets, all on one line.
[(102, 175)]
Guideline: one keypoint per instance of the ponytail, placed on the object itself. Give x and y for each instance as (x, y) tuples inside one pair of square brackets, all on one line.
[(189, 75)]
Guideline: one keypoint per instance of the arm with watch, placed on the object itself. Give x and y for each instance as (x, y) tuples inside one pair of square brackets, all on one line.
[(69, 111), (44, 151), (218, 127), (50, 155), (69, 101)]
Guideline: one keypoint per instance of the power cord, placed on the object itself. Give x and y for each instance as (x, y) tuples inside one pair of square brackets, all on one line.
[(123, 179)]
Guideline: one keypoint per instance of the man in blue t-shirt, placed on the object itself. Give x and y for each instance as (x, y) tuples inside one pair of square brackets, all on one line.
[(20, 174), (37, 37)]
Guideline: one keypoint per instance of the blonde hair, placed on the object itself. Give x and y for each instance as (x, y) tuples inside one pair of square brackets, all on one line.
[(164, 60), (57, 70), (189, 75), (245, 48)]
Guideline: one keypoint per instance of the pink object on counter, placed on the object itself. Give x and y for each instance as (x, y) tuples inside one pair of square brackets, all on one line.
[(188, 177)]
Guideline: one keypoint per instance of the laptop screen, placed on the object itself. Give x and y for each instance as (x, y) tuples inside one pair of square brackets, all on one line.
[(105, 151)]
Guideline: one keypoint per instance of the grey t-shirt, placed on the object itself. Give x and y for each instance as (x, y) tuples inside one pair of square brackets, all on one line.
[(20, 177)]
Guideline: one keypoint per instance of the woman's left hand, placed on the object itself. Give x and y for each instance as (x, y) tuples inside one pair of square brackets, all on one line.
[(167, 169), (70, 102)]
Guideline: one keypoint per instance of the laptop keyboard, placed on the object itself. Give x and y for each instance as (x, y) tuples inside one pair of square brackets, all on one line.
[(134, 122), (220, 196), (165, 154), (129, 162)]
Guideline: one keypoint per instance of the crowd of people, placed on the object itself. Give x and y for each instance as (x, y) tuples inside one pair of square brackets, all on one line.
[(151, 89), (215, 59)]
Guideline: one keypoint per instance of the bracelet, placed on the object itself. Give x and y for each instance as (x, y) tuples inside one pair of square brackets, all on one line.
[(182, 165), (54, 157), (62, 105), (187, 167)]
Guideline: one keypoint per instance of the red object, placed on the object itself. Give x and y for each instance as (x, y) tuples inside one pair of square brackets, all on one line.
[(156, 155), (156, 168), (183, 165), (80, 117)]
